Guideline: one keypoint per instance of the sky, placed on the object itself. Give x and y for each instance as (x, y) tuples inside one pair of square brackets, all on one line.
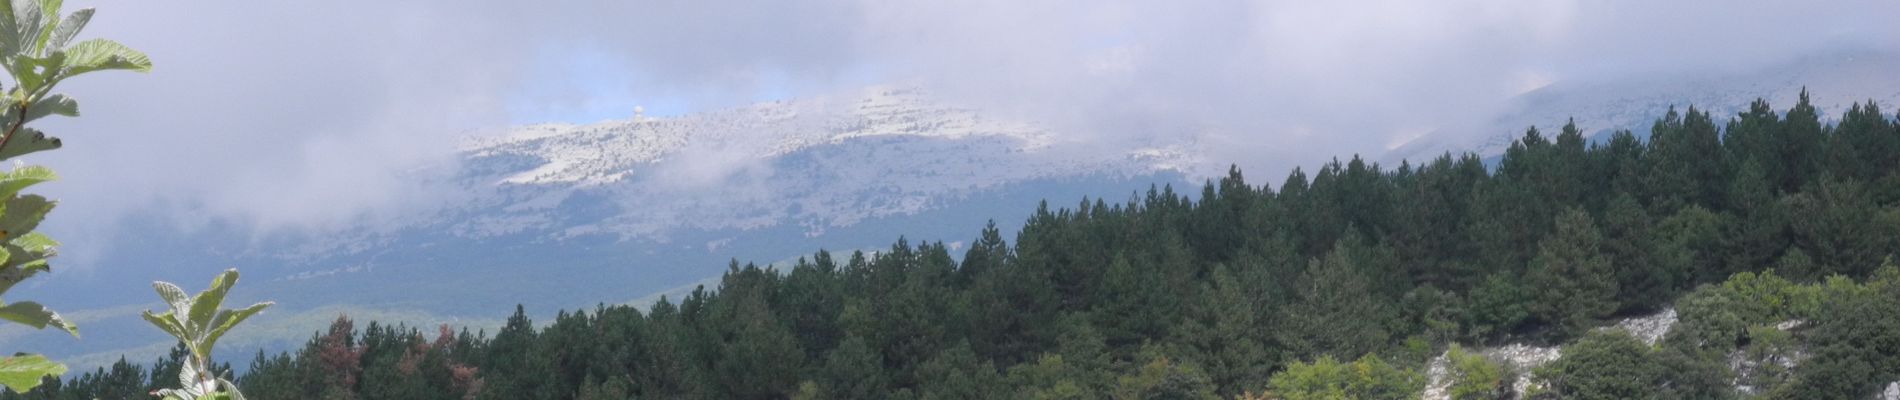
[(310, 114)]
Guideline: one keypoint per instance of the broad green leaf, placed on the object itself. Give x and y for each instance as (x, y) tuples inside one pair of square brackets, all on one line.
[(26, 141), (25, 26), (177, 299), (20, 178), (69, 28), (37, 316), (20, 263), (55, 104), (9, 41), (165, 322), (188, 379), (49, 21), (231, 389), (101, 54), (22, 214), (33, 71), (228, 319), (36, 244), (23, 372), (14, 274), (205, 305)]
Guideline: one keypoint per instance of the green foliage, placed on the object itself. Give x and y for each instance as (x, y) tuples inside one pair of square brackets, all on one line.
[(1498, 306), (1475, 377), (1605, 365), (1855, 341), (1162, 378), (1229, 331), (198, 321), (22, 373), (1326, 378), (852, 371), (1171, 296), (34, 50), (1575, 285), (957, 373), (1336, 310)]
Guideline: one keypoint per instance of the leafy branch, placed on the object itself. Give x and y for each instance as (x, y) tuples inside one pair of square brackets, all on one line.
[(37, 51)]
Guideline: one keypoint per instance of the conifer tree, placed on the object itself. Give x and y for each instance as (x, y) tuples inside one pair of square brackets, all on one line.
[(1572, 283), (1335, 310)]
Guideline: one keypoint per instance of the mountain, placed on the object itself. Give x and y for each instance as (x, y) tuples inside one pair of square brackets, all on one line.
[(1836, 81), (816, 163), (562, 216)]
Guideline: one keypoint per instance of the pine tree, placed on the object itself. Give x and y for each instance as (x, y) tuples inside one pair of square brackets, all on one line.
[(852, 371), (1335, 310), (1572, 283), (1228, 336), (1628, 244)]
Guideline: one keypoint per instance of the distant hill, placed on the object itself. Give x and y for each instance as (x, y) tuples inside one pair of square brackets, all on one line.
[(1836, 81), (560, 216)]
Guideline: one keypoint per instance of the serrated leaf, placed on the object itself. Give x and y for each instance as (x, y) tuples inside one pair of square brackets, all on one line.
[(228, 319), (32, 71), (165, 322), (24, 372), (21, 178), (37, 316), (177, 299), (188, 379), (205, 305), (22, 214), (9, 42), (69, 28), (231, 389), (28, 18), (13, 275), (27, 141), (49, 21), (57, 104), (36, 244), (20, 263), (101, 54)]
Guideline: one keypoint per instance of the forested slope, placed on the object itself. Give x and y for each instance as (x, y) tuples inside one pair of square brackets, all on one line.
[(1248, 289)]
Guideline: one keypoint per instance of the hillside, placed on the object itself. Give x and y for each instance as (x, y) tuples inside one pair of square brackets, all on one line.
[(563, 216), (1345, 282)]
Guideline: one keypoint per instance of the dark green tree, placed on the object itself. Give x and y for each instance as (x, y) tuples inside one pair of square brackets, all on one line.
[(1605, 365), (1571, 282)]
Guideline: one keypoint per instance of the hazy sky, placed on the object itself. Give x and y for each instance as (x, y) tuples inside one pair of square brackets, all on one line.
[(304, 113)]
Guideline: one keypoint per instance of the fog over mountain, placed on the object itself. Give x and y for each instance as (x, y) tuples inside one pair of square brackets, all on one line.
[(1836, 80), (494, 148), (1268, 85)]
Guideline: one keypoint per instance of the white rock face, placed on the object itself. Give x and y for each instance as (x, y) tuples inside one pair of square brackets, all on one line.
[(1438, 377), (1649, 328), (1522, 359), (1891, 393)]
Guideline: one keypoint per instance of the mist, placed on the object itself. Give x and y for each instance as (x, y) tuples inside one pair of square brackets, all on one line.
[(320, 115)]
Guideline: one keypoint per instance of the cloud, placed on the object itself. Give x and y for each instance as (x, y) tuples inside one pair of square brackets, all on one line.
[(286, 115)]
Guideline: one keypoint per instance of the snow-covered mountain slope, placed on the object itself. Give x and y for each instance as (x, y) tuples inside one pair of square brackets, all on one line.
[(818, 162), (559, 216), (1835, 81)]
